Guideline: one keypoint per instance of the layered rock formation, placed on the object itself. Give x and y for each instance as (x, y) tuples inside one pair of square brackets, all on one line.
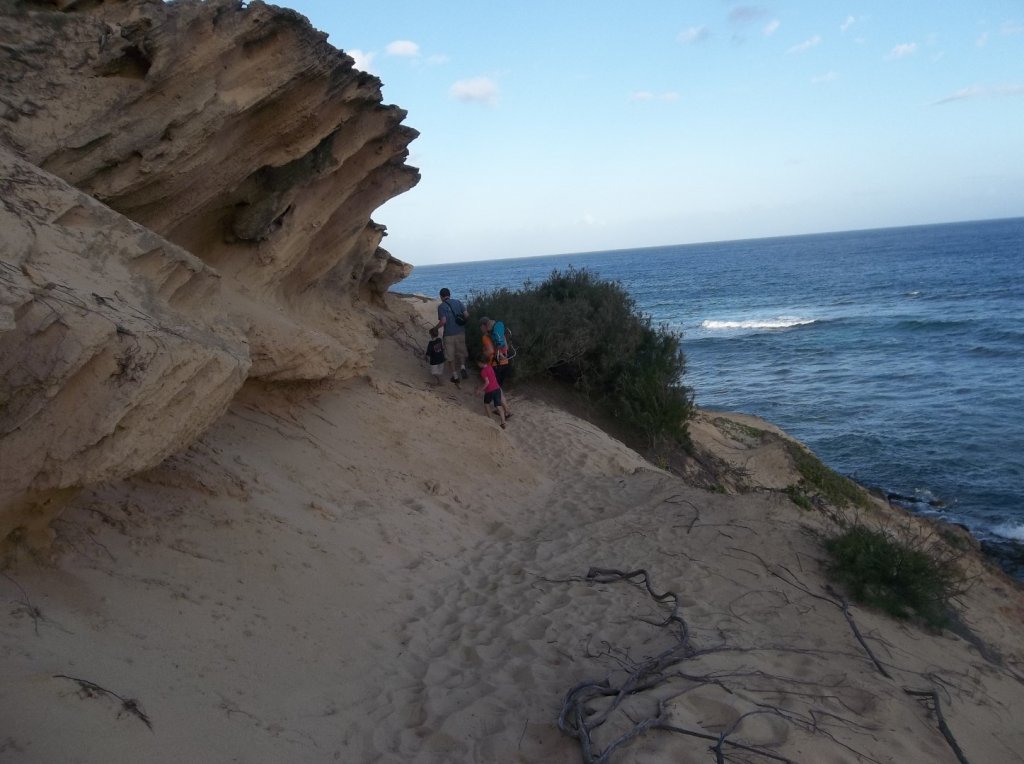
[(187, 191)]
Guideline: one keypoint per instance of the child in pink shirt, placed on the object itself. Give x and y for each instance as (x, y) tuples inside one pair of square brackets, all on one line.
[(491, 390)]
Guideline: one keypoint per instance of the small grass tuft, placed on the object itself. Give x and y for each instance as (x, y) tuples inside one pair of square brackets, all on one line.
[(830, 485), (798, 497)]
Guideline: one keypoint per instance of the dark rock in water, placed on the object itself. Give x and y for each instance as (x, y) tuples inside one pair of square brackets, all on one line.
[(904, 499), (1008, 555), (900, 498)]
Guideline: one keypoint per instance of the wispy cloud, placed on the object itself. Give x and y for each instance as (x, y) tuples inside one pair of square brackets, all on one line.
[(475, 90), (403, 49), (806, 45), (982, 91), (693, 35), (822, 79), (902, 51), (848, 22), (363, 60), (744, 14), (645, 95), (1012, 27), (982, 40), (771, 28)]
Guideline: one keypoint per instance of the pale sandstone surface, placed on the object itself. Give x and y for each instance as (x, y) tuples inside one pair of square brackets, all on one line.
[(115, 350), (220, 166)]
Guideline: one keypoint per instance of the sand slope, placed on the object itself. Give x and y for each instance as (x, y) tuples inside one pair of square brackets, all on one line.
[(374, 571)]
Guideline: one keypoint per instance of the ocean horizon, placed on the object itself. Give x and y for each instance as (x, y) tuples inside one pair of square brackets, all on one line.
[(894, 353)]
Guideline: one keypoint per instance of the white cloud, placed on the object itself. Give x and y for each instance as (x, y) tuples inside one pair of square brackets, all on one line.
[(806, 45), (771, 28), (403, 48), (646, 95), (589, 219), (476, 89), (848, 22), (1012, 27), (827, 77), (693, 35), (362, 60), (982, 40), (902, 50), (744, 14), (981, 91)]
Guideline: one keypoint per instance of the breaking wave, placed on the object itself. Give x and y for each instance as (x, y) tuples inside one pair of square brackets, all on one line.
[(763, 324), (1010, 530)]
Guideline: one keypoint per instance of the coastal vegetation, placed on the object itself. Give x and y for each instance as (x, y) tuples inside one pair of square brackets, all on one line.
[(904, 574), (587, 334), (818, 481)]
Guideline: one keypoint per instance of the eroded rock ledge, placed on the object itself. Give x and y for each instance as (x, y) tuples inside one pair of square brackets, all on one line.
[(187, 191)]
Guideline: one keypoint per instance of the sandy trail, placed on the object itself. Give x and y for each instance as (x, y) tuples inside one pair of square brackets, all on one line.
[(375, 572)]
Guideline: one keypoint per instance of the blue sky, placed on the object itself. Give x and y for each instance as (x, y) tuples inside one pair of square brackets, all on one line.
[(554, 127)]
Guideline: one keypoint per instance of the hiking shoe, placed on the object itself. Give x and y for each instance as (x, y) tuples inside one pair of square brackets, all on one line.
[(465, 374)]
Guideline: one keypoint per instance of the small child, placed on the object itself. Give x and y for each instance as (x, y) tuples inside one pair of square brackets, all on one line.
[(435, 356), (491, 389)]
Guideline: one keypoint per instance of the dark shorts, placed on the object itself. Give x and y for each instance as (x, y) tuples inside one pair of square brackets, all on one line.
[(500, 371), (493, 397)]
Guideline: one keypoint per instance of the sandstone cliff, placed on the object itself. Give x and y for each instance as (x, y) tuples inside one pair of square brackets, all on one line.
[(187, 196)]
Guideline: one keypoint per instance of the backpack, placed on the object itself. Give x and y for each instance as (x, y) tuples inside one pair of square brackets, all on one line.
[(503, 343)]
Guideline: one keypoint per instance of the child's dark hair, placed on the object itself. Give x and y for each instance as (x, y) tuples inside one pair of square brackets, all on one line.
[(433, 331)]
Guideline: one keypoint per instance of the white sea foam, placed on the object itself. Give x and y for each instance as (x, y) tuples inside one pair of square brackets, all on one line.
[(1013, 531), (782, 322)]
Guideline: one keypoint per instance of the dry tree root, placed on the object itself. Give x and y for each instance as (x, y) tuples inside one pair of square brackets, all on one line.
[(933, 696), (91, 690), (580, 719), (839, 602), (35, 613)]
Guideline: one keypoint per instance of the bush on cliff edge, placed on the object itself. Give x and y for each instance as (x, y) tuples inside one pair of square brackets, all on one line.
[(903, 574), (586, 333)]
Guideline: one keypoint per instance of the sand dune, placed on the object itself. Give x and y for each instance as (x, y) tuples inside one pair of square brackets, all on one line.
[(373, 571)]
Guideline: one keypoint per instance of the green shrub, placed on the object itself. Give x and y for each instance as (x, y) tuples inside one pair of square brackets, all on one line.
[(587, 333), (905, 576), (798, 497)]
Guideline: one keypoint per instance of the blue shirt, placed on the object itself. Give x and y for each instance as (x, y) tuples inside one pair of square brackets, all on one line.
[(447, 310)]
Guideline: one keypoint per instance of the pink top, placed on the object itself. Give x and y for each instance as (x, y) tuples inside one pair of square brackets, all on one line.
[(490, 381)]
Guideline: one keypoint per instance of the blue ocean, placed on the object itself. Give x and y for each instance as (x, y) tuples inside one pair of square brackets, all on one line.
[(896, 355)]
